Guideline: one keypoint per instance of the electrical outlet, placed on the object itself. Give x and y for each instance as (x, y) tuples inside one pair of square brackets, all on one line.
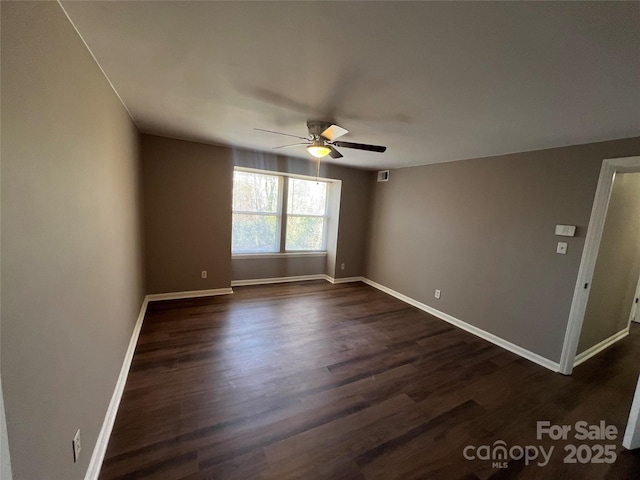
[(437, 295), (203, 274), (342, 266), (77, 446), (561, 248)]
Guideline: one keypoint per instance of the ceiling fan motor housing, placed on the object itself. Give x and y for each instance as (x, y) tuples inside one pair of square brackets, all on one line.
[(316, 127)]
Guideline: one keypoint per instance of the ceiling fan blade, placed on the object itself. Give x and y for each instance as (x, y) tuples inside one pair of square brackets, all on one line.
[(291, 145), (333, 132), (280, 133), (334, 153), (361, 146)]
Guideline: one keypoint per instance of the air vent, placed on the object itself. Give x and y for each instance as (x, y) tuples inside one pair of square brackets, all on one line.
[(383, 176)]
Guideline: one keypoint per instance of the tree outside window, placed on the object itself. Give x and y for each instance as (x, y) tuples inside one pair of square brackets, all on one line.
[(261, 218)]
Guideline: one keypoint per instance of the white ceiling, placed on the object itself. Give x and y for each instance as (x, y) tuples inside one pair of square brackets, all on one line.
[(433, 81)]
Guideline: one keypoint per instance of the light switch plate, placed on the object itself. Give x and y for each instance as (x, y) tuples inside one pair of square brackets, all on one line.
[(566, 230), (561, 248)]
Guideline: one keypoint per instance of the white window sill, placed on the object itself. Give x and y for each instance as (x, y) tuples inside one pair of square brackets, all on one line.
[(248, 256)]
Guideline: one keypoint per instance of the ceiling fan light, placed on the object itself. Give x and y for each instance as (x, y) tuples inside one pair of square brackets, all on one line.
[(318, 151)]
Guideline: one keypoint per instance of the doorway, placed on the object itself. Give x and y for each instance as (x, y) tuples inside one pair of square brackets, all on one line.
[(610, 168), (614, 281), (635, 308)]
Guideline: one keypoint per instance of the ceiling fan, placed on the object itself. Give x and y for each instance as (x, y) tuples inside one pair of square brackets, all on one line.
[(322, 140)]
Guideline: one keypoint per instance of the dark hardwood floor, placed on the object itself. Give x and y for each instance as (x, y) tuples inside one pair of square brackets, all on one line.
[(314, 381)]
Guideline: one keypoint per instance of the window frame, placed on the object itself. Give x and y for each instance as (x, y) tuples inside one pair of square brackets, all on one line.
[(282, 216), (287, 215)]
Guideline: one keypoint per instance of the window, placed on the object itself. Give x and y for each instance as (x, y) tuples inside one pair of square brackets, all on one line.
[(306, 214), (263, 222), (256, 212)]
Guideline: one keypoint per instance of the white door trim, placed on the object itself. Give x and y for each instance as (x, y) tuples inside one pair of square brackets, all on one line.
[(631, 439), (635, 308), (589, 255)]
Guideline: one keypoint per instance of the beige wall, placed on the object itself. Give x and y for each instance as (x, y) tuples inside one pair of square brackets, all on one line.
[(617, 267), (187, 214), (482, 231), (71, 261), (187, 190)]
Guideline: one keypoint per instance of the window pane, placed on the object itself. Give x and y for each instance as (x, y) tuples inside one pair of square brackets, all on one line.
[(253, 192), (307, 197), (304, 233), (254, 233)]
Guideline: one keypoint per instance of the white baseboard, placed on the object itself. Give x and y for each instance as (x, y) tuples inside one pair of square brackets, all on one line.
[(102, 442), (534, 357), (344, 280), (188, 294), (607, 342), (266, 281), (299, 278), (100, 449)]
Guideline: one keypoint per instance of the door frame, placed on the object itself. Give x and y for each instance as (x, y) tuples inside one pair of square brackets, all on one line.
[(635, 307), (610, 167)]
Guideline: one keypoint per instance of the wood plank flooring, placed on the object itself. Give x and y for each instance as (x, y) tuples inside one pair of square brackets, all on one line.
[(319, 381)]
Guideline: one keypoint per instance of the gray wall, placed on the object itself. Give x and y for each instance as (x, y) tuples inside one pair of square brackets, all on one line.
[(617, 267), (247, 268), (187, 214), (71, 249), (187, 209), (482, 231)]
